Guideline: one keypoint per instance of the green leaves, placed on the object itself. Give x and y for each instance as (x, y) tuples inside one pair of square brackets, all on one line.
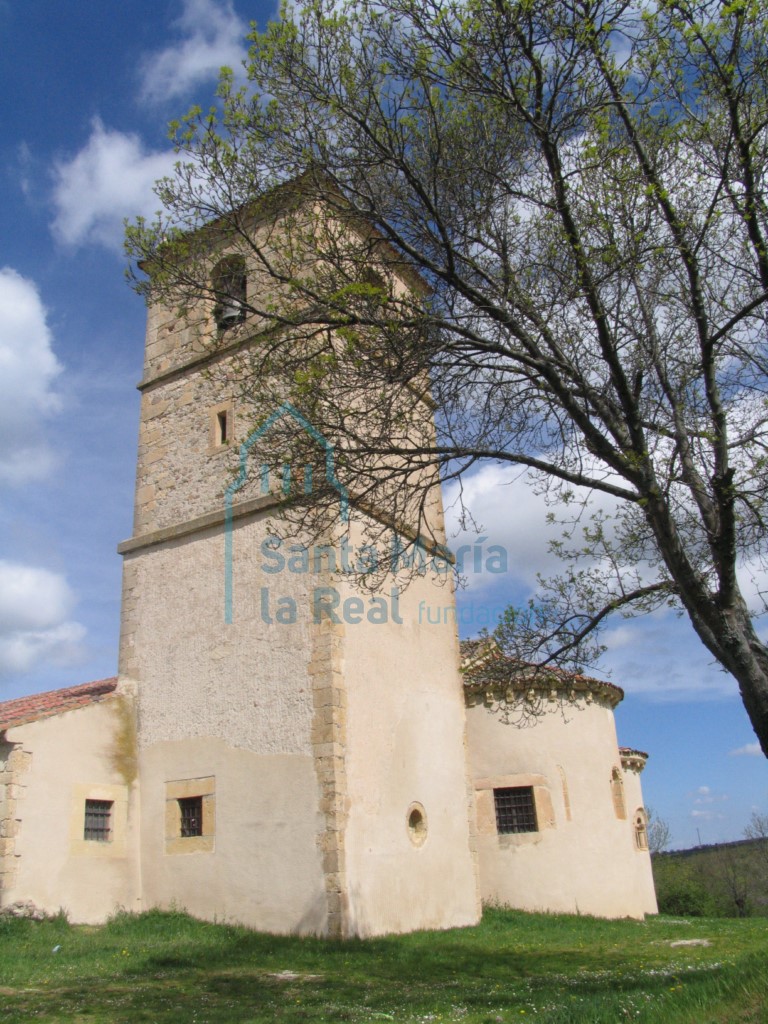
[(567, 206)]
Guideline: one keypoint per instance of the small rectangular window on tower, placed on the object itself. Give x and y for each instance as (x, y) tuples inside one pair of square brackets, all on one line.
[(191, 813), (98, 820), (515, 810), (221, 425)]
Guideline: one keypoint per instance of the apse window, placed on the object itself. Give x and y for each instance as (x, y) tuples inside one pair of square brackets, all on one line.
[(617, 794), (98, 821), (641, 829), (191, 815), (515, 810)]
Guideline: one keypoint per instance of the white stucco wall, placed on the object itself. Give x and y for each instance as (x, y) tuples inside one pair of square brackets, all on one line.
[(584, 858), (70, 758), (642, 861), (405, 746), (233, 702), (263, 868)]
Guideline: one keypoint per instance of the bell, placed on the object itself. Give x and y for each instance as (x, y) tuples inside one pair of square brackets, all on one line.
[(229, 313)]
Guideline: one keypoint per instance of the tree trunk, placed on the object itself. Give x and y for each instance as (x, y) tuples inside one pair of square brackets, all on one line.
[(738, 649)]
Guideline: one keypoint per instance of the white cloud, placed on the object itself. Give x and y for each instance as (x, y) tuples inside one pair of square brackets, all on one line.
[(211, 35), (35, 628), (28, 369), (704, 795), (659, 656), (748, 750), (753, 581), (656, 655), (111, 178), (707, 815), (703, 801), (509, 513), (31, 598), (24, 158)]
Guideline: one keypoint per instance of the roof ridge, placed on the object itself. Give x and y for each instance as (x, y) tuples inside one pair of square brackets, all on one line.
[(22, 710), (484, 664)]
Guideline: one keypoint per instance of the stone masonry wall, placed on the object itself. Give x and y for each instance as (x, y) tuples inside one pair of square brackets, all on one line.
[(180, 475), (245, 682), (14, 762), (329, 745)]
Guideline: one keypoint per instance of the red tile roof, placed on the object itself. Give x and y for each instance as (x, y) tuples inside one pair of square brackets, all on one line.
[(54, 702), (631, 752), (484, 664)]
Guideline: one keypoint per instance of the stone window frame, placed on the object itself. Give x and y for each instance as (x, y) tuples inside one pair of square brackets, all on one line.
[(221, 426), (117, 844), (486, 806), (618, 797), (229, 281), (566, 793), (640, 827), (183, 789), (416, 824)]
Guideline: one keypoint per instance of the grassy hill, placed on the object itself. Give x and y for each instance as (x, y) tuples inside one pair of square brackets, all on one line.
[(167, 968)]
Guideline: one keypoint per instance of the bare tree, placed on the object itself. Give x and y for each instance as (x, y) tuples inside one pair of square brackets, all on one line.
[(548, 219), (757, 827), (659, 832), (731, 871)]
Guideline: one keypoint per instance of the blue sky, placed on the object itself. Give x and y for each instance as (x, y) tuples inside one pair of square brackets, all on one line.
[(89, 88)]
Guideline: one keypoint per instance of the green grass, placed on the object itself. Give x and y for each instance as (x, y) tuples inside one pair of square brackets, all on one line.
[(167, 968)]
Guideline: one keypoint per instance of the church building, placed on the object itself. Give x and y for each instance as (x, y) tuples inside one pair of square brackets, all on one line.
[(281, 751)]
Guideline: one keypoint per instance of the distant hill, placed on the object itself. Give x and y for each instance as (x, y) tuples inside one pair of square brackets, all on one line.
[(706, 847), (716, 880)]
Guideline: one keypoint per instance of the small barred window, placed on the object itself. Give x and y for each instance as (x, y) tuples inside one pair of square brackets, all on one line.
[(98, 820), (515, 809), (191, 808)]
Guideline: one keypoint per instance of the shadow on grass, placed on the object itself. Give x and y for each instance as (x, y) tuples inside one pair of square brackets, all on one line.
[(167, 967)]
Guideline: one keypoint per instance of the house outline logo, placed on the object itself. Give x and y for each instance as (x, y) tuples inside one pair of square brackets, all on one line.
[(286, 409)]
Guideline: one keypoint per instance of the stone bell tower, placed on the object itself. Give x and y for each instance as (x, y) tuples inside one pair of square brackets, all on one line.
[(299, 771)]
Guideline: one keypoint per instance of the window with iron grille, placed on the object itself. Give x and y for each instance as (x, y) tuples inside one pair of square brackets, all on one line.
[(98, 820), (191, 808), (515, 809)]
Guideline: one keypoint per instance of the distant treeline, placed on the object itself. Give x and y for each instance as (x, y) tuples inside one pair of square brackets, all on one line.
[(720, 880)]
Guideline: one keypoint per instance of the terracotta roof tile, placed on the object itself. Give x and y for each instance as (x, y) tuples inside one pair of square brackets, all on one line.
[(631, 752), (53, 702), (484, 664)]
